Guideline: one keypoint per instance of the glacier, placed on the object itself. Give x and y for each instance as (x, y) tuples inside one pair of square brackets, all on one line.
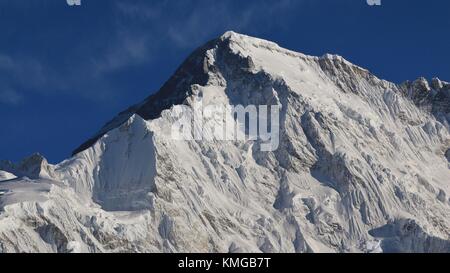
[(363, 165)]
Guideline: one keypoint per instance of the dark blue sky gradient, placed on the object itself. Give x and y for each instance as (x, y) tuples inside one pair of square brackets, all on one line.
[(65, 71)]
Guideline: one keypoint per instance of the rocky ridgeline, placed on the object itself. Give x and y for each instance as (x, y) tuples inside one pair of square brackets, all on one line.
[(362, 166)]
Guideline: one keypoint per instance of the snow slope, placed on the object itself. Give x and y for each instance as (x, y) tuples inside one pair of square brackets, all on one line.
[(6, 176), (362, 166)]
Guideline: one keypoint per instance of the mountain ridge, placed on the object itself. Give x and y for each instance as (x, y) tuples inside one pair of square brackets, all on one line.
[(151, 107), (362, 166)]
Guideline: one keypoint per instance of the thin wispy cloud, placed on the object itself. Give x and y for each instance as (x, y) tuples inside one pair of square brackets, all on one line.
[(20, 75), (25, 71), (138, 31), (126, 50), (188, 23), (9, 96)]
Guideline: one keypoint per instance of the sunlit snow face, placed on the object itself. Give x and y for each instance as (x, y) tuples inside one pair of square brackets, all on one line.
[(220, 122)]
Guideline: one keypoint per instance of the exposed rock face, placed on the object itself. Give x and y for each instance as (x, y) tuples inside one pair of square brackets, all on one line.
[(434, 97), (34, 167), (405, 235), (359, 167)]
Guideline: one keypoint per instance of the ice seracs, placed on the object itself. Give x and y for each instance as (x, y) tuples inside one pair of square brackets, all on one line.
[(362, 166)]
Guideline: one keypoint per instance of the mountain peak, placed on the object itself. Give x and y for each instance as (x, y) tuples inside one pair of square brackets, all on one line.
[(233, 55), (243, 38), (34, 166), (355, 159), (230, 34)]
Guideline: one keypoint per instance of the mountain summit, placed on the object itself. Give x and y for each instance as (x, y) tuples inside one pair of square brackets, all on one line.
[(362, 166)]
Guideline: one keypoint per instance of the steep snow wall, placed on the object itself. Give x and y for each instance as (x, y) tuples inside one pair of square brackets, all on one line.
[(361, 166)]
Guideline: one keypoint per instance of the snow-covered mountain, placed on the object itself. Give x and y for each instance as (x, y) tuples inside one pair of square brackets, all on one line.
[(363, 165)]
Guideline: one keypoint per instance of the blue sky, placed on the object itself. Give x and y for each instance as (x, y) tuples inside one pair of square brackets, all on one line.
[(65, 71)]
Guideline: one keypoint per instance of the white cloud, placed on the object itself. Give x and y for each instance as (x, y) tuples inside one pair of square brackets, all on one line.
[(139, 30), (126, 49), (10, 97), (25, 71), (187, 24)]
